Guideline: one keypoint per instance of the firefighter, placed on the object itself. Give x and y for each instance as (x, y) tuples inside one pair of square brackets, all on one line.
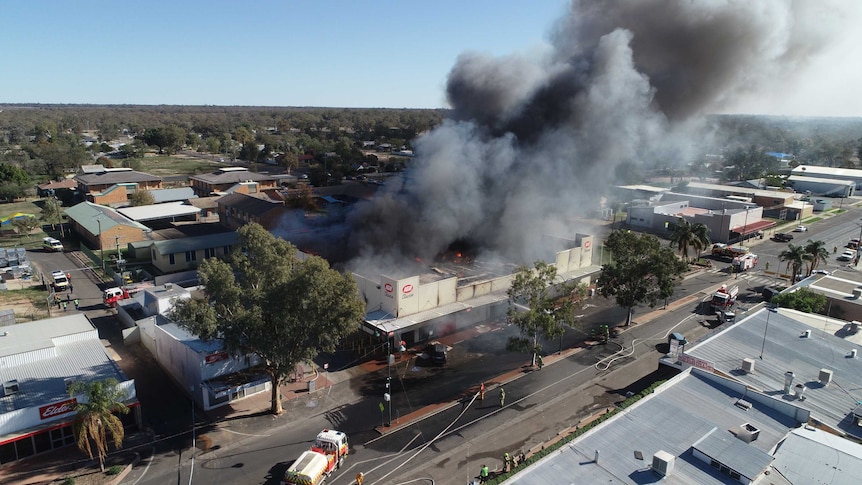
[(482, 392), (76, 303), (359, 478), (502, 396), (507, 462), (539, 361), (483, 474)]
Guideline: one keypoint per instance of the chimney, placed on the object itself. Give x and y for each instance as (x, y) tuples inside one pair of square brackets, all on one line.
[(788, 381)]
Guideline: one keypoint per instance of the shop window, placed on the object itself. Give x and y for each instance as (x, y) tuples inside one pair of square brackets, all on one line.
[(7, 453), (42, 442), (191, 256), (24, 447)]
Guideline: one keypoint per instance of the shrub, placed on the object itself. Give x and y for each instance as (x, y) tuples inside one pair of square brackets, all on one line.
[(68, 481), (114, 470)]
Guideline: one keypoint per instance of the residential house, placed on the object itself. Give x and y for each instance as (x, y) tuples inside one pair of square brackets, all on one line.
[(230, 180), (183, 254), (112, 186), (238, 209)]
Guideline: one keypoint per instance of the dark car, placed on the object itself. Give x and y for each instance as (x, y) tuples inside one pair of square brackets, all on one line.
[(782, 237), (438, 353)]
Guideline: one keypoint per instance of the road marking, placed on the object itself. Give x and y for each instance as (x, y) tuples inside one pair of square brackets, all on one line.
[(245, 434)]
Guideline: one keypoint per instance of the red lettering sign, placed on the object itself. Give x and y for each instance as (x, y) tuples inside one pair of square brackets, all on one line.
[(388, 287), (56, 409), (406, 289), (213, 358)]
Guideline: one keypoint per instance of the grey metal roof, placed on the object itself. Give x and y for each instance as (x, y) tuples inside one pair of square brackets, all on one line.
[(171, 195), (62, 347), (116, 177), (679, 414), (90, 216), (174, 246), (729, 450), (786, 349), (221, 177), (809, 455), (248, 204), (820, 180), (192, 341), (158, 211)]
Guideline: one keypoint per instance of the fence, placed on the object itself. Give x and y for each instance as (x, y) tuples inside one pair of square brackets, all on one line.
[(97, 260)]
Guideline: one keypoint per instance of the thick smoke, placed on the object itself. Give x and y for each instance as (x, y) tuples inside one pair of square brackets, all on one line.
[(535, 141)]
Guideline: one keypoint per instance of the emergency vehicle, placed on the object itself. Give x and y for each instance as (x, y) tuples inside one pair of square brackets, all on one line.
[(59, 280), (326, 455), (742, 263), (725, 251), (724, 298), (113, 295)]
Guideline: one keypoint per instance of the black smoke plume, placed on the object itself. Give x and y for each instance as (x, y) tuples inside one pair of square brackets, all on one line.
[(535, 140)]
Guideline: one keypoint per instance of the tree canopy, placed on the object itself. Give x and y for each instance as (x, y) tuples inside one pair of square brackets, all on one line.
[(540, 306), (686, 234), (267, 301), (640, 271), (803, 300), (141, 197), (95, 418), (796, 257)]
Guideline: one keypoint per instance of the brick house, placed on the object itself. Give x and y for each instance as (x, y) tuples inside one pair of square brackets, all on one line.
[(103, 227), (231, 180), (112, 186), (236, 210)]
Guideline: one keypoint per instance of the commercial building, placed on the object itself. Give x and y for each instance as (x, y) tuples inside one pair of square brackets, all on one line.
[(212, 376), (230, 180), (851, 174), (733, 223), (827, 187), (103, 227), (38, 362)]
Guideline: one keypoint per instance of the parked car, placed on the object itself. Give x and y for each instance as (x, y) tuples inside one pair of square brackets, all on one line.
[(438, 352), (782, 237), (847, 255), (821, 271), (800, 228)]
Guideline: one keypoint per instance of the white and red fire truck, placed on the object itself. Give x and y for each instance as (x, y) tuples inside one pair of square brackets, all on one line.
[(724, 298), (314, 466)]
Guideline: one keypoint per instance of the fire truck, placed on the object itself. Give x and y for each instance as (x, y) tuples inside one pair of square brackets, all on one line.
[(314, 466), (113, 295), (724, 298), (742, 263), (725, 251)]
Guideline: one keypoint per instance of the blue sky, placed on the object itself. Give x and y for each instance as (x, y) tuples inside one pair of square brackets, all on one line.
[(337, 53), (273, 53)]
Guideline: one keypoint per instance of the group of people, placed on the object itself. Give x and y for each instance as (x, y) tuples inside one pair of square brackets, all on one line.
[(509, 463), (64, 304)]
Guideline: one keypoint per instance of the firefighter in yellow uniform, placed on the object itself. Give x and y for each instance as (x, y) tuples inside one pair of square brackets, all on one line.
[(359, 478)]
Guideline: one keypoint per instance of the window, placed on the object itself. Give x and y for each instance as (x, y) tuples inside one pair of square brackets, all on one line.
[(191, 256), (209, 252), (226, 250), (172, 259)]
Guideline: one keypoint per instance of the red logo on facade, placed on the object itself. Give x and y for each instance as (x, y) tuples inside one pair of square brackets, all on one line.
[(388, 287), (587, 244), (406, 289), (56, 409), (213, 358)]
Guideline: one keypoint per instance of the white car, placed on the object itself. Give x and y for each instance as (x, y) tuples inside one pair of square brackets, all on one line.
[(821, 271), (847, 255), (800, 228)]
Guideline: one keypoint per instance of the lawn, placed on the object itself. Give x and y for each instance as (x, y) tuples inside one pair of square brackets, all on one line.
[(163, 165), (8, 237)]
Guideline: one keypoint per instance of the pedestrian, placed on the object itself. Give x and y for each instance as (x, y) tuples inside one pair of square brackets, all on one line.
[(76, 303), (502, 396), (507, 464), (522, 458), (834, 249), (71, 288), (539, 361), (64, 306), (359, 478), (483, 474), (482, 391), (57, 300)]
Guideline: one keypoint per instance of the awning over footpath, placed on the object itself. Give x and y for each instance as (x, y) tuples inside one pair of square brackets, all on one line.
[(753, 227)]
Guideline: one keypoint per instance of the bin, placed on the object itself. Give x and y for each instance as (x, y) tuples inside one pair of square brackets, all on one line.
[(310, 386)]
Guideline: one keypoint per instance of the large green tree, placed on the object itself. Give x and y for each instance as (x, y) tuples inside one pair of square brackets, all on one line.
[(266, 300), (141, 197), (796, 257), (95, 417), (540, 305), (640, 271), (803, 300)]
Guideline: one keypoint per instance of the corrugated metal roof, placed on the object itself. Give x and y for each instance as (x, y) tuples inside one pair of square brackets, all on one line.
[(834, 171), (161, 196), (809, 455), (780, 335), (820, 180), (248, 204), (111, 178), (158, 211), (675, 417), (192, 341), (91, 216), (174, 246), (221, 177)]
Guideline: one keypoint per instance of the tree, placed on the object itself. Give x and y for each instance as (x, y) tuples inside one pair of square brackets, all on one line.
[(803, 300), (95, 417), (51, 211), (265, 300), (25, 225), (796, 257), (141, 197), (168, 139), (818, 252), (640, 271), (535, 309), (683, 237), (701, 239)]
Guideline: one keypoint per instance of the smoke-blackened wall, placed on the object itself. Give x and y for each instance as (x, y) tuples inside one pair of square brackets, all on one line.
[(535, 139)]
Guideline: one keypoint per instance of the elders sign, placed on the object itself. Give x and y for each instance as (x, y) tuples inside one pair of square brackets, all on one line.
[(57, 409)]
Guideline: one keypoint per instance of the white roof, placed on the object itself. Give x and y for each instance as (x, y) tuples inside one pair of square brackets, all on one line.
[(837, 172), (158, 211)]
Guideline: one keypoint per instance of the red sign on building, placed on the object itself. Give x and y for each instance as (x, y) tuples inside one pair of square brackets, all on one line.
[(213, 358), (58, 408), (388, 287), (406, 289)]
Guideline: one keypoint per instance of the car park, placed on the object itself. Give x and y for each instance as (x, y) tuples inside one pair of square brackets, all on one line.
[(800, 228), (782, 237)]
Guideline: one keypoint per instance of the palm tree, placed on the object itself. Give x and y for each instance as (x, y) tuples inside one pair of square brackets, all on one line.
[(96, 416), (682, 236), (796, 257), (701, 237), (819, 254)]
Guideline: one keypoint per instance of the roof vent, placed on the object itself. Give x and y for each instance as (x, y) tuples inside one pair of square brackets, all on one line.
[(746, 432), (825, 376), (742, 404), (748, 365), (10, 387), (662, 463)]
